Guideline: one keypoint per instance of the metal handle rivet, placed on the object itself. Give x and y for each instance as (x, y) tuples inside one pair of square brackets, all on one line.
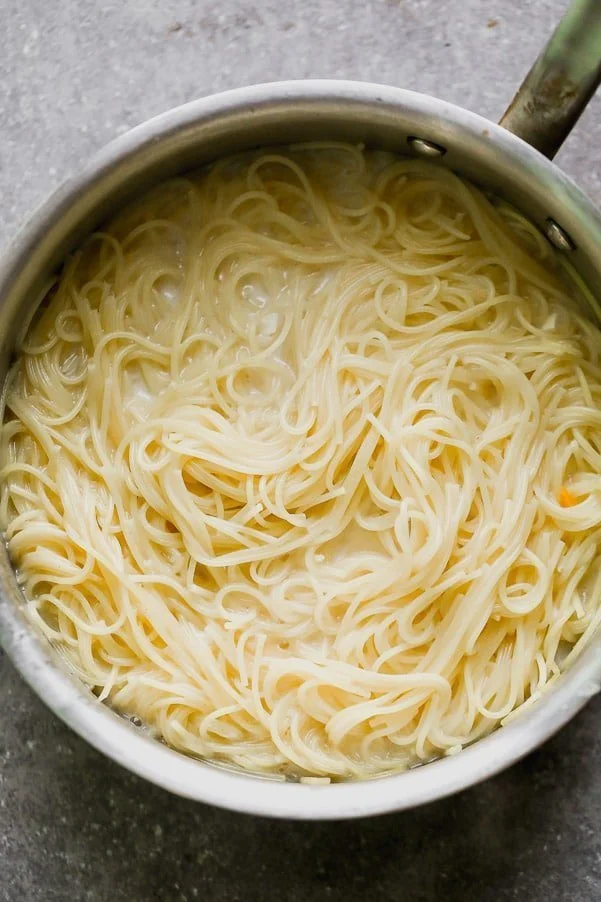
[(426, 148), (558, 236)]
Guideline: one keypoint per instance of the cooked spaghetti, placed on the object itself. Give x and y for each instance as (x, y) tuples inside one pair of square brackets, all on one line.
[(302, 463)]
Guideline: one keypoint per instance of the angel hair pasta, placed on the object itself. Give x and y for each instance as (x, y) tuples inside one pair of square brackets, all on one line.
[(301, 463)]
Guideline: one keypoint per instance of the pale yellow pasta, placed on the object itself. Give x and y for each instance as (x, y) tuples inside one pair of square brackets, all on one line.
[(301, 463)]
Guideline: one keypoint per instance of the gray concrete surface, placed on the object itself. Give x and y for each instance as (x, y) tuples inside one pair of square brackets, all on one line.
[(73, 826)]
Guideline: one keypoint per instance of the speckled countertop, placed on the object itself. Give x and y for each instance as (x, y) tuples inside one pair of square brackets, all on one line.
[(74, 826)]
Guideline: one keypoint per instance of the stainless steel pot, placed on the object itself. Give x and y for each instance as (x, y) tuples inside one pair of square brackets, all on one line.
[(547, 105)]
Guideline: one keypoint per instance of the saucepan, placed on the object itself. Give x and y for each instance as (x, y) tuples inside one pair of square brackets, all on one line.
[(512, 159)]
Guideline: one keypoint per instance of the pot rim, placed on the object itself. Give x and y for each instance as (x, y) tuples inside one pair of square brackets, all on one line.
[(115, 736)]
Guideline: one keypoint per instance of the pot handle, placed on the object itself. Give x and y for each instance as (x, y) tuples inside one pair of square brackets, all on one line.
[(561, 82)]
